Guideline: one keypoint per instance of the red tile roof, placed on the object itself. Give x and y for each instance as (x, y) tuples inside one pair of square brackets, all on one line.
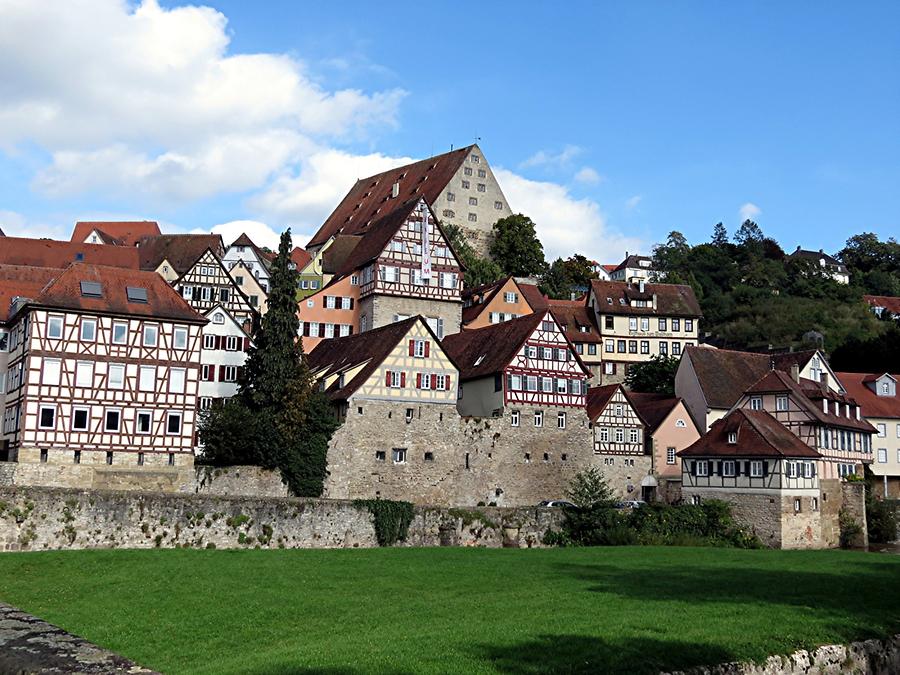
[(598, 397), (23, 282), (529, 292), (610, 268), (300, 258), (60, 254), (758, 435), (181, 250), (615, 297), (653, 408), (370, 197), (121, 232), (485, 351), (163, 301), (870, 402), (888, 302)]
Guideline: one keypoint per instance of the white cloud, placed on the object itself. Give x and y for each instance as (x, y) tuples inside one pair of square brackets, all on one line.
[(588, 176), (16, 224), (632, 202), (555, 159), (260, 233), (565, 225), (749, 211), (142, 98)]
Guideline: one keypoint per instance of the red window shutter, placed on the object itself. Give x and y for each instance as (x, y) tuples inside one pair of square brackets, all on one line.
[(447, 383), (431, 378), (403, 380), (387, 378), (427, 348), (412, 347), (216, 341), (221, 373), (306, 329), (246, 343), (418, 380)]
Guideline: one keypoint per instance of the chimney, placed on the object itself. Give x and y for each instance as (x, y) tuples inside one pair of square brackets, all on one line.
[(795, 373), (395, 190)]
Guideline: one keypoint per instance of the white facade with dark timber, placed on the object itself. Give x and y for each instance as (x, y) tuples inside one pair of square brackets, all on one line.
[(208, 283)]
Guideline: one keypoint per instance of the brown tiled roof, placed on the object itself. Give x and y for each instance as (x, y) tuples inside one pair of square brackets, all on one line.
[(371, 347), (265, 257), (163, 301), (23, 282), (300, 258), (119, 232), (653, 408), (529, 292), (671, 299), (370, 198), (632, 261), (888, 302), (533, 296), (870, 402), (572, 318), (724, 375), (806, 393), (181, 250), (598, 397), (758, 435), (497, 344), (60, 254)]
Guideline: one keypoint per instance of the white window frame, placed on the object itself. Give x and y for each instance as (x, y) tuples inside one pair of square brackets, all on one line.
[(560, 420), (756, 403), (84, 323), (728, 468), (150, 329), (514, 418), (124, 338), (54, 320), (84, 367), (87, 418), (670, 455), (106, 427), (781, 403), (702, 468), (145, 383), (180, 337), (117, 368), (56, 366), (538, 418), (174, 414), (137, 422), (41, 409), (756, 468), (177, 380)]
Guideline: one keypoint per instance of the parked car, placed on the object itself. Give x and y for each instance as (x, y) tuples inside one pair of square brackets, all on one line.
[(556, 503), (631, 504)]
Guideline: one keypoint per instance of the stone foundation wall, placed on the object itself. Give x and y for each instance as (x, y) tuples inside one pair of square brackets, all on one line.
[(759, 513), (57, 518), (830, 505), (471, 460), (625, 481), (853, 501), (380, 310)]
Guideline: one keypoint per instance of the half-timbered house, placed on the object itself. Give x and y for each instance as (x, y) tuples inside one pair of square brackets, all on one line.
[(619, 439), (770, 477), (103, 368), (501, 300), (171, 255), (580, 325), (225, 344), (250, 286), (254, 258), (827, 421), (208, 283)]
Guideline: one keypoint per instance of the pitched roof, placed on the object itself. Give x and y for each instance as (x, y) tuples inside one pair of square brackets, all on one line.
[(816, 256), (370, 198), (22, 282), (598, 397), (724, 374), (60, 254), (485, 351), (370, 347), (871, 404), (806, 394), (632, 261), (653, 408), (181, 250), (529, 292), (300, 258), (65, 292), (887, 302), (265, 257), (532, 295), (119, 232), (758, 435), (616, 297), (610, 268), (572, 319)]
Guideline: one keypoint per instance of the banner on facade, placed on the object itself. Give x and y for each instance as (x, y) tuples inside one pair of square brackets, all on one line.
[(426, 242)]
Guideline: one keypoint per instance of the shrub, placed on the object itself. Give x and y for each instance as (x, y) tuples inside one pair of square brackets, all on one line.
[(392, 519)]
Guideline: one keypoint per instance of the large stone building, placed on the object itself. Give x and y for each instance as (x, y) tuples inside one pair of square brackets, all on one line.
[(459, 186), (768, 475), (102, 367), (639, 321), (877, 397), (711, 381), (400, 266)]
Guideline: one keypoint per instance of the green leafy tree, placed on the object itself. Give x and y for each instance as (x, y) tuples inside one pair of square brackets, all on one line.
[(563, 277), (516, 248), (656, 376), (478, 270), (277, 419)]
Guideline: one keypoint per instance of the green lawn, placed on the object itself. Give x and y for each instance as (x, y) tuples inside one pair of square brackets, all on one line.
[(624, 609)]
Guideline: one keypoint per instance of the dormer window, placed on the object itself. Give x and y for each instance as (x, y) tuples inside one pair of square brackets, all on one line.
[(732, 437)]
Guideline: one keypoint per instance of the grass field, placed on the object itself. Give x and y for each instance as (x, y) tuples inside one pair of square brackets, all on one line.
[(456, 610)]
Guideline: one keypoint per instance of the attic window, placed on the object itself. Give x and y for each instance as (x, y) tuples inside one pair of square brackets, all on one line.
[(480, 359), (79, 257), (732, 437), (621, 301), (91, 289), (136, 294), (609, 301)]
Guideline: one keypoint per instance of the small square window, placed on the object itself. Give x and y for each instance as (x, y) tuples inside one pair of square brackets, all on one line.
[(399, 455), (380, 455), (429, 456), (173, 423), (120, 333), (151, 334), (47, 418)]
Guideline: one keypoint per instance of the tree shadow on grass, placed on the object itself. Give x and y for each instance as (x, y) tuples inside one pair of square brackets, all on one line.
[(584, 654), (860, 604)]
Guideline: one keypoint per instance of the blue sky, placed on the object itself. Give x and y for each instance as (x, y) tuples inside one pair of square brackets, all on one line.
[(613, 123)]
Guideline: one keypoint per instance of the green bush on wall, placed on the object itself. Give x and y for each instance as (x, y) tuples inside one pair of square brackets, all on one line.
[(392, 519)]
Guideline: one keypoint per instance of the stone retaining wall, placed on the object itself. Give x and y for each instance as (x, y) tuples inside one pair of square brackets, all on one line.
[(34, 518), (873, 657)]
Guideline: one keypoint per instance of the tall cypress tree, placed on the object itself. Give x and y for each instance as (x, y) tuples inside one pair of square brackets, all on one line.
[(275, 364)]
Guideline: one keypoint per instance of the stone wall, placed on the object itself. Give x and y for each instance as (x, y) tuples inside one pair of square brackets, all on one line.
[(235, 481), (830, 505), (470, 460), (625, 481), (759, 513), (381, 309), (34, 518), (853, 503), (874, 657)]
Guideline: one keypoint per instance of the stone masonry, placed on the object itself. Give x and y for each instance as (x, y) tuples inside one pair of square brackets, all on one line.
[(380, 310)]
